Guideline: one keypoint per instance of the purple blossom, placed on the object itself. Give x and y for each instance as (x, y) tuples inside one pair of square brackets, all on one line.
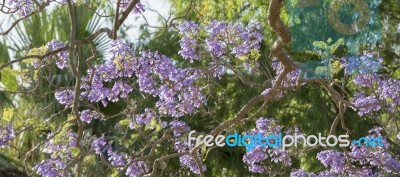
[(223, 35), (300, 173), (120, 48), (60, 152), (248, 39), (290, 79), (278, 155), (24, 7), (155, 74), (88, 115), (362, 172), (384, 94), (95, 91), (120, 89), (117, 158), (190, 162), (72, 139), (255, 168), (6, 134), (377, 156), (259, 154), (54, 167), (217, 41), (366, 104), (326, 173), (61, 59), (255, 156), (389, 90), (189, 42), (137, 169), (145, 118), (100, 145), (178, 100), (268, 125), (366, 64), (332, 159), (58, 147), (65, 97), (182, 146), (139, 7), (178, 127), (366, 80)]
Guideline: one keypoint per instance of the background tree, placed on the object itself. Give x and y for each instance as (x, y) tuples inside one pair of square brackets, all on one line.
[(78, 98)]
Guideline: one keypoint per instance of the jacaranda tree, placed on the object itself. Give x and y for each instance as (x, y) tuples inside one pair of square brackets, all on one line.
[(78, 99)]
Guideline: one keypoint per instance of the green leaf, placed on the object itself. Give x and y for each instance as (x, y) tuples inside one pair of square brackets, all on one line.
[(9, 79)]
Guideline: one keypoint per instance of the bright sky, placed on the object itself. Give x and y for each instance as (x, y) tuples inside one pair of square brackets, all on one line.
[(161, 6), (158, 7)]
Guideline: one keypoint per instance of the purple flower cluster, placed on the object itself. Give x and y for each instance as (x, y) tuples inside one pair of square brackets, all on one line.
[(61, 57), (333, 159), (179, 127), (93, 85), (266, 125), (117, 158), (65, 97), (24, 7), (53, 167), (121, 89), (222, 38), (368, 63), (377, 156), (176, 90), (156, 75), (254, 157), (353, 172), (144, 118), (189, 42), (88, 115), (302, 173), (60, 152), (341, 164), (119, 48), (181, 145), (217, 42), (288, 83), (139, 8), (225, 37), (258, 154), (384, 94), (366, 104), (136, 169), (290, 79), (100, 145), (246, 39), (6, 134), (188, 161)]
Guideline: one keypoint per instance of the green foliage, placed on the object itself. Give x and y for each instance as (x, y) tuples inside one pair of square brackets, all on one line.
[(310, 108)]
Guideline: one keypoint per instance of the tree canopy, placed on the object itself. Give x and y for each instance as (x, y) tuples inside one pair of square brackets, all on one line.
[(80, 97)]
